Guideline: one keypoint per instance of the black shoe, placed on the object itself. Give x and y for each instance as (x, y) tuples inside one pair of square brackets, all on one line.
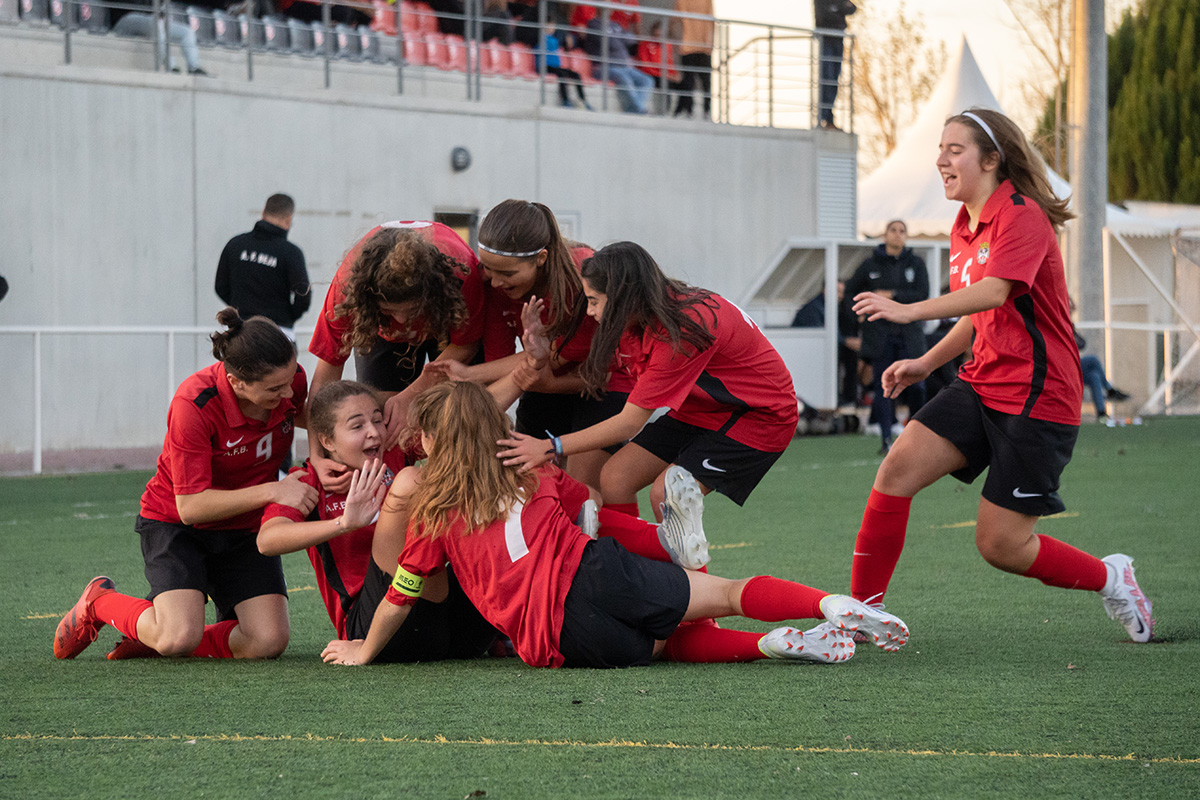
[(199, 71), (1114, 393), (887, 446)]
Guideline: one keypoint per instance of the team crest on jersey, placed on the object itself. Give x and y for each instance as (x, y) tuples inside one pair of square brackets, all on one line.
[(982, 256)]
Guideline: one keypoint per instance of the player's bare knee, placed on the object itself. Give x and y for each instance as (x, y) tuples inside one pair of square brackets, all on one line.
[(996, 551), (266, 645), (179, 643)]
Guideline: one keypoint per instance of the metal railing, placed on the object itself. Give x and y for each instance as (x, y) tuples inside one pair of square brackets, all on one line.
[(762, 75)]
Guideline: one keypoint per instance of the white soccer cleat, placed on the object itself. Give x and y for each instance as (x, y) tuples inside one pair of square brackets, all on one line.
[(847, 614), (825, 644), (681, 531), (1124, 600), (589, 519)]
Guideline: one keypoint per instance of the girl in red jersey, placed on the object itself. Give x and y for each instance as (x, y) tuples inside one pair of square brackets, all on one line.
[(523, 254), (562, 598), (404, 292), (733, 408), (1014, 409), (228, 428), (352, 561)]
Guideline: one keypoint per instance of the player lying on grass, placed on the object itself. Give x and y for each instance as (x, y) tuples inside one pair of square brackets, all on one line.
[(561, 597), (1014, 409), (352, 559), (228, 428)]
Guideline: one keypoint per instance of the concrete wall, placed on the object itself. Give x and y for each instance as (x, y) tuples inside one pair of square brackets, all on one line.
[(120, 187)]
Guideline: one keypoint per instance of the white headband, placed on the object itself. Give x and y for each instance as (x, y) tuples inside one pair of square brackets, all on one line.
[(496, 252), (986, 130)]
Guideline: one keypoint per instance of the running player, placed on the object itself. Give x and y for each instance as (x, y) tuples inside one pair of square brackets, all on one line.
[(733, 408), (562, 598), (404, 292), (228, 429), (1015, 408), (354, 562)]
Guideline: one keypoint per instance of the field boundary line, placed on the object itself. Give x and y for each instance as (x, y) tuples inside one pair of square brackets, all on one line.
[(611, 743)]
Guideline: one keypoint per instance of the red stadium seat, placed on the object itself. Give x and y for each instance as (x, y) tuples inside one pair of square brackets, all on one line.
[(415, 52), (409, 21), (426, 19), (435, 50), (524, 65), (384, 19), (578, 60), (456, 54), (495, 59)]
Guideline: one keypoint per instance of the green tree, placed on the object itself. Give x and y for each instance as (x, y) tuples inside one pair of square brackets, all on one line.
[(1154, 120)]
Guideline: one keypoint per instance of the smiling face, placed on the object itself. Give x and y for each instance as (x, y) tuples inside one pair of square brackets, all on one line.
[(513, 276), (358, 433), (260, 397), (595, 301), (967, 175)]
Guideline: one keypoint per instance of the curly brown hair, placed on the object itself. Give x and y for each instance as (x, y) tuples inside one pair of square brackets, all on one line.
[(398, 265)]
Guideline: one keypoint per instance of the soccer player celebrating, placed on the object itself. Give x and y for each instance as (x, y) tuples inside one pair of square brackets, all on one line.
[(406, 291), (228, 429), (352, 560), (561, 597), (1015, 408), (733, 408)]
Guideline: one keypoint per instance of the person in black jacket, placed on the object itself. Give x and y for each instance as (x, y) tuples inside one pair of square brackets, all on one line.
[(830, 15), (262, 273), (895, 272)]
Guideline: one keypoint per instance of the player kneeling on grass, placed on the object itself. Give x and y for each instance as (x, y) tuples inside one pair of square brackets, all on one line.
[(352, 556), (562, 598), (228, 429)]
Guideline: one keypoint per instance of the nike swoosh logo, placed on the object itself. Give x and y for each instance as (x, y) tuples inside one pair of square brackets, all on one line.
[(705, 463), (1019, 494), (954, 256), (874, 275), (235, 441), (861, 554)]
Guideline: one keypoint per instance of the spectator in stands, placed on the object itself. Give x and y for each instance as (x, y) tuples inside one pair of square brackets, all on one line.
[(812, 315), (496, 22), (3, 287), (566, 77), (695, 55), (262, 273), (830, 15), (650, 60), (127, 22), (615, 63), (310, 11)]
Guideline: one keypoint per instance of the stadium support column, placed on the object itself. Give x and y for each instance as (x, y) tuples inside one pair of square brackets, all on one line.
[(1088, 102)]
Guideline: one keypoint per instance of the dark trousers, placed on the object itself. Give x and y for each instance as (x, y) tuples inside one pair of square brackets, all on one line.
[(891, 351), (697, 71), (830, 72)]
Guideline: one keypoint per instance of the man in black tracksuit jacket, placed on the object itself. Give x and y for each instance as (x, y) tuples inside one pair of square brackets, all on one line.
[(893, 271), (261, 272)]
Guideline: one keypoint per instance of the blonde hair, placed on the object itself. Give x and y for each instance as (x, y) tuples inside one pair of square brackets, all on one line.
[(463, 477), (1018, 162)]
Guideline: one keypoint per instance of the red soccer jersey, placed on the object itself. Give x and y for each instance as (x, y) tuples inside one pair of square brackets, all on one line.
[(326, 342), (1025, 358), (738, 386), (341, 563), (516, 571), (211, 444)]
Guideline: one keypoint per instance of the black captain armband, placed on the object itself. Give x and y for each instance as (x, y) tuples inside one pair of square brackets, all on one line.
[(408, 584)]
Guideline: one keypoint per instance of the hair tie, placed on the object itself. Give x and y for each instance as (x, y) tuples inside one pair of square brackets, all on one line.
[(987, 130), (496, 252)]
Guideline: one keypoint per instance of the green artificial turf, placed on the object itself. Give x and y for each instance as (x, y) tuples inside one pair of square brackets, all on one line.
[(1006, 689)]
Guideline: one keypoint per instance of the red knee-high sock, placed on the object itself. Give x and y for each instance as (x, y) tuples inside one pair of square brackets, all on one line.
[(121, 611), (629, 509), (215, 641), (878, 546), (1059, 564), (774, 599), (704, 644), (635, 535)]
